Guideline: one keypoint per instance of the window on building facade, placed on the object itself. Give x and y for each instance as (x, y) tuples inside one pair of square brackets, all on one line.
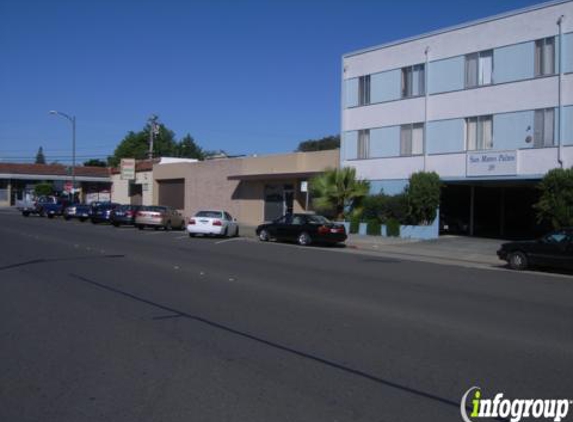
[(363, 143), (413, 81), (544, 128), (412, 139), (479, 69), (545, 56), (364, 90), (479, 133)]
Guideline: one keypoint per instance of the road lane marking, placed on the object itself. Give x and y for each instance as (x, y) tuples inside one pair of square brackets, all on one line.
[(232, 239)]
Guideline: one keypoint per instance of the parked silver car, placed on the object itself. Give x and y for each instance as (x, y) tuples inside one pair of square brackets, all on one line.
[(159, 217)]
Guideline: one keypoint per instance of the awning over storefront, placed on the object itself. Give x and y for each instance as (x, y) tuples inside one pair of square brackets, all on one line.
[(273, 176)]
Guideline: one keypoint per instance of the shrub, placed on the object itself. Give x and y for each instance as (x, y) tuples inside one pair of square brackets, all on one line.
[(393, 227), (354, 225), (423, 197), (556, 202), (373, 227), (43, 189), (383, 207)]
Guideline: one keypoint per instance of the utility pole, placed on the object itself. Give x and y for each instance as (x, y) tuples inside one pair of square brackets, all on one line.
[(153, 130)]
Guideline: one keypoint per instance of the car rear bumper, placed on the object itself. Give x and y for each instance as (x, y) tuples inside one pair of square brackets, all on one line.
[(198, 229)]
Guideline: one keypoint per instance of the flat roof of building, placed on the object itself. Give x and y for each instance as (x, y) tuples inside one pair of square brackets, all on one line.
[(457, 27), (51, 171)]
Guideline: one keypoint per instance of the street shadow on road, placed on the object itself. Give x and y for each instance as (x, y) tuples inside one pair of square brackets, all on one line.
[(175, 313), (46, 260)]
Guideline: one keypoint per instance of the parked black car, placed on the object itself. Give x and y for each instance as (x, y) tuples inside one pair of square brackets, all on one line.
[(303, 229), (79, 211), (101, 213), (552, 250), (124, 214)]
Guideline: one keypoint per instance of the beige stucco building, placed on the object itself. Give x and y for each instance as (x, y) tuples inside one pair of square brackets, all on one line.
[(135, 192), (252, 189)]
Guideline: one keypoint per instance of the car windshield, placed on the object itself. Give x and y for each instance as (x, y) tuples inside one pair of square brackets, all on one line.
[(317, 219), (209, 214)]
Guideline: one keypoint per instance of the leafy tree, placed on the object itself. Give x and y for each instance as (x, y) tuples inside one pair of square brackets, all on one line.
[(94, 162), (423, 196), (187, 148), (328, 142), (136, 145), (338, 190), (40, 158), (556, 202), (43, 189)]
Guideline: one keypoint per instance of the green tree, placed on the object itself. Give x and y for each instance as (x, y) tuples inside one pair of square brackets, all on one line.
[(187, 148), (94, 162), (136, 145), (43, 189), (423, 197), (328, 142), (40, 158), (337, 191), (556, 202)]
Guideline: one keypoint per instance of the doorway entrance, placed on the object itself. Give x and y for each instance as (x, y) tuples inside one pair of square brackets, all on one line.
[(279, 200)]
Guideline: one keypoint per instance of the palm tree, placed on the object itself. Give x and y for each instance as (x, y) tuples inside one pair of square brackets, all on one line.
[(338, 190)]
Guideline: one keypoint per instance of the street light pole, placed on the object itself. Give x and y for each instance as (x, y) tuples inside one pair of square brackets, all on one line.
[(72, 120)]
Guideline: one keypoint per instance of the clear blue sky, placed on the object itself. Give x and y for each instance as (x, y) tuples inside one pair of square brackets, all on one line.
[(243, 76)]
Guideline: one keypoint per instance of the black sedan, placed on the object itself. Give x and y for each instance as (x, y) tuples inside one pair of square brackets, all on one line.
[(552, 250), (124, 214), (304, 229), (101, 213)]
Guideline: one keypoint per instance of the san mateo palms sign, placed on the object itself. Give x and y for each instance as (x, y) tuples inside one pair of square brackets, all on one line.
[(127, 169), (501, 163)]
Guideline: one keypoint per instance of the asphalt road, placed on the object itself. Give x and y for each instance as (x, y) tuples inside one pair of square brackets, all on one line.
[(105, 324)]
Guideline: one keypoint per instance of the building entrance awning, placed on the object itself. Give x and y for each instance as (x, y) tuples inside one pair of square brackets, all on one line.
[(273, 176)]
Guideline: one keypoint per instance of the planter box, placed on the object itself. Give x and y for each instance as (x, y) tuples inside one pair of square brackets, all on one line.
[(383, 231), (421, 232), (363, 229)]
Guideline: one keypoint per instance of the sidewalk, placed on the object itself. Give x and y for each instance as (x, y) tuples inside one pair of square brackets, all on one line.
[(454, 248), (451, 248)]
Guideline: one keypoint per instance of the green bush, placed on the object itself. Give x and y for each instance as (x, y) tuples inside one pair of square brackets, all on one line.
[(43, 189), (556, 202), (354, 224), (423, 197), (384, 207), (393, 227), (373, 228)]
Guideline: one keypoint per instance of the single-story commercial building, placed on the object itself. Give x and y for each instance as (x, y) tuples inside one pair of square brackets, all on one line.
[(16, 180), (252, 189)]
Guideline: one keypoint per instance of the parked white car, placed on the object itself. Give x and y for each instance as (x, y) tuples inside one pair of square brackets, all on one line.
[(218, 223)]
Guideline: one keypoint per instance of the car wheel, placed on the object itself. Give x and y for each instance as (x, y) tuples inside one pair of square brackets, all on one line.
[(304, 239), (67, 218), (115, 224), (237, 232), (168, 226), (94, 221), (50, 216), (225, 232), (182, 226), (140, 226), (82, 220), (264, 236), (26, 213), (517, 261), (191, 234)]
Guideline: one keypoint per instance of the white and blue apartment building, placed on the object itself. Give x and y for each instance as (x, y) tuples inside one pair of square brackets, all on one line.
[(488, 105)]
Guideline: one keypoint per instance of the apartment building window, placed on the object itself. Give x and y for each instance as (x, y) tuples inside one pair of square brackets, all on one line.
[(479, 69), (364, 143), (479, 133), (364, 90), (413, 81), (544, 128), (412, 139), (545, 56)]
